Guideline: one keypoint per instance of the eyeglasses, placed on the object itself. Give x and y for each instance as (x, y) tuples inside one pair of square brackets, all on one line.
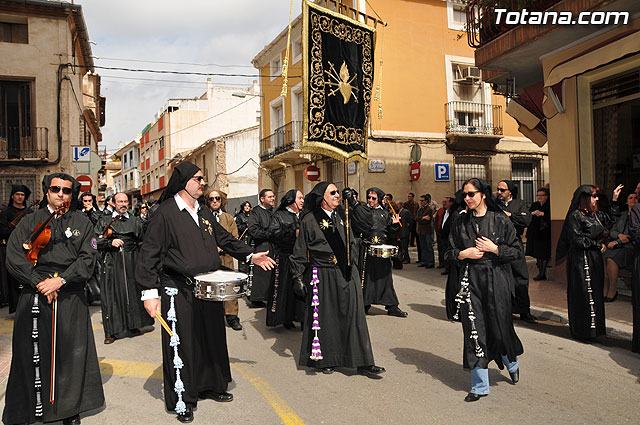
[(56, 189), (595, 195), (375, 198), (333, 192), (214, 198), (199, 179), (502, 190), (470, 194), (84, 200)]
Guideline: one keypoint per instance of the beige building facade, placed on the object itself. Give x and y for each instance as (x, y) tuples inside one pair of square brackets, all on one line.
[(49, 93), (428, 98)]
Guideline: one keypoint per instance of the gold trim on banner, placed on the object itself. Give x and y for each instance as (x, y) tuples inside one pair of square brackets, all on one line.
[(315, 83)]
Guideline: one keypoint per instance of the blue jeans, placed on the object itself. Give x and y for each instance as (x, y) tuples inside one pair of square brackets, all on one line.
[(480, 376), (426, 244)]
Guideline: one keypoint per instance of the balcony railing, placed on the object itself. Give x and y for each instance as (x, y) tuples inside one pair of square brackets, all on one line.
[(481, 17), (18, 143), (473, 119), (283, 139)]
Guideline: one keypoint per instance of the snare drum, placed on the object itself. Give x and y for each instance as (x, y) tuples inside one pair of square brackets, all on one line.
[(221, 285), (383, 251)]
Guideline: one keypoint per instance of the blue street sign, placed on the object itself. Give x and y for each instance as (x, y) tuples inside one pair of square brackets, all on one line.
[(81, 153), (442, 172)]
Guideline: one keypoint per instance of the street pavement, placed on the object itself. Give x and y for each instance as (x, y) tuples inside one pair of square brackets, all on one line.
[(562, 381)]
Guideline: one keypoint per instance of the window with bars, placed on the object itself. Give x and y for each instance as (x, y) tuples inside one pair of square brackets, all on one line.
[(526, 175), (334, 170), (468, 168)]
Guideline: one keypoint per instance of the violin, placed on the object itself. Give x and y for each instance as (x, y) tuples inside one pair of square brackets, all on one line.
[(42, 235), (22, 214), (108, 230)]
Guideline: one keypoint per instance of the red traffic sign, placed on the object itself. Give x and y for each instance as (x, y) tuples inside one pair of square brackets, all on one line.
[(85, 182), (312, 173), (414, 171)]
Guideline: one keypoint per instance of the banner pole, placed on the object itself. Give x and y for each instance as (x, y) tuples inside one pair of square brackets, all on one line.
[(346, 212)]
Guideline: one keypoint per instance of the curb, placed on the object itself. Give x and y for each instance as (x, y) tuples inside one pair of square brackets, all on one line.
[(560, 317)]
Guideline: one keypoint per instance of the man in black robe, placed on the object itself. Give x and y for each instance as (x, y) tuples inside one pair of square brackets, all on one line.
[(258, 225), (122, 310), (335, 330), (376, 275), (516, 209), (109, 206), (181, 242), (55, 282), (89, 207), (634, 233), (283, 307), (15, 211)]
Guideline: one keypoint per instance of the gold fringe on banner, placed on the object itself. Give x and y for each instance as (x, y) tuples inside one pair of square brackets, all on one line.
[(285, 63)]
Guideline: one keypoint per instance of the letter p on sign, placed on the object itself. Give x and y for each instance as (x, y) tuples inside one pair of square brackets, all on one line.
[(442, 172)]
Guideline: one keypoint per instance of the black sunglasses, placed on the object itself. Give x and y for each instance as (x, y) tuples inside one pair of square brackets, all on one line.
[(199, 178), (471, 194), (595, 195), (214, 198), (56, 189), (372, 197), (502, 190), (333, 192)]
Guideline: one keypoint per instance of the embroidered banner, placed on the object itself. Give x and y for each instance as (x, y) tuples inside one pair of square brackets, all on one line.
[(338, 78)]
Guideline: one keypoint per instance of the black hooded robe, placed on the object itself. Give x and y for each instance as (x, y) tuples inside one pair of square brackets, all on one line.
[(491, 284), (634, 232), (283, 305), (378, 278), (78, 385), (343, 335), (9, 286), (579, 241), (122, 309), (176, 248), (258, 224)]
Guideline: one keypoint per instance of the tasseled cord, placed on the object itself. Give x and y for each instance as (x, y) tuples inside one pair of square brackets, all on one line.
[(316, 352), (587, 278), (276, 283), (181, 407), (35, 312), (464, 297)]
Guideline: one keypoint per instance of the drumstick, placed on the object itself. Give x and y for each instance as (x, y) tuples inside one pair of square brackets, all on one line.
[(393, 211), (163, 323)]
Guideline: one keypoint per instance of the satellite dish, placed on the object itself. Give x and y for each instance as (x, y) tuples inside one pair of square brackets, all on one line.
[(416, 153)]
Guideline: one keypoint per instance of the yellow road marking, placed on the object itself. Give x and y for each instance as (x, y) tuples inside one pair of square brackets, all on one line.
[(143, 370), (286, 413)]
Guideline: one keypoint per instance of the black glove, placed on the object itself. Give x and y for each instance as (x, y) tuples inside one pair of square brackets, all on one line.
[(299, 288), (347, 194)]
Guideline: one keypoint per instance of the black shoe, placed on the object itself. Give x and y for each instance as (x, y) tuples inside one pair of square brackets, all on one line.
[(187, 416), (540, 277), (528, 317), (289, 325), (429, 267), (395, 311), (420, 265), (371, 371), (73, 420), (515, 376), (474, 397), (327, 370), (135, 332), (222, 397), (610, 300), (234, 323), (444, 273)]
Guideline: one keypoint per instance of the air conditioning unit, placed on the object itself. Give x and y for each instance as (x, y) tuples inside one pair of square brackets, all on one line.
[(471, 73)]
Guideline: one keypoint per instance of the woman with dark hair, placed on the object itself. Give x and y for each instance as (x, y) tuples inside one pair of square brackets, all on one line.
[(242, 221), (539, 233), (335, 332), (483, 244), (581, 242), (619, 252)]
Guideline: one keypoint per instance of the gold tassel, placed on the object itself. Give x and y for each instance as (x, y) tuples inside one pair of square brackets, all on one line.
[(285, 63)]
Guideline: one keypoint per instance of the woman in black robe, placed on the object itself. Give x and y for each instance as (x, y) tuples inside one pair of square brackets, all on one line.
[(453, 281), (335, 330), (634, 233), (283, 307), (67, 260), (581, 241), (484, 243), (539, 233)]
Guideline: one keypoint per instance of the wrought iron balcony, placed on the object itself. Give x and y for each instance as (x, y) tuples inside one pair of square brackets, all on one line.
[(469, 118), (283, 139), (481, 17), (18, 143)]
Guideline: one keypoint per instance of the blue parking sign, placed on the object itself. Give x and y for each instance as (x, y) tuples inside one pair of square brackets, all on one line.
[(442, 172)]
